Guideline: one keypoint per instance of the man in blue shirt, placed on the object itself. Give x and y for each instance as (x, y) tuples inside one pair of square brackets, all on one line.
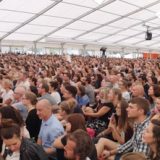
[(51, 128)]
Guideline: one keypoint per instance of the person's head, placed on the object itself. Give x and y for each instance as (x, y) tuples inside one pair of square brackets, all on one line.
[(154, 90), (151, 136), (72, 103), (88, 80), (79, 145), (65, 108), (70, 92), (138, 107), (123, 85), (29, 98), (121, 111), (63, 85), (103, 93), (81, 90), (7, 84), (19, 92), (75, 121), (8, 112), (54, 85), (133, 156), (11, 135), (43, 88), (115, 95), (44, 109), (22, 75), (152, 80), (66, 77), (34, 90), (137, 90)]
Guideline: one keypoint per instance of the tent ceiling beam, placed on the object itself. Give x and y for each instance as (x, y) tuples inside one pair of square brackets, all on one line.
[(31, 19), (117, 19), (134, 25), (76, 19)]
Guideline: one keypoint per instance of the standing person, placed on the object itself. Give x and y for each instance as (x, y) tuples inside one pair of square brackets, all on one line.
[(51, 128), (137, 110), (11, 135)]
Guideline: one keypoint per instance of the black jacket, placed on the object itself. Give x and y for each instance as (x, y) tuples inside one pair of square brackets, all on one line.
[(31, 151)]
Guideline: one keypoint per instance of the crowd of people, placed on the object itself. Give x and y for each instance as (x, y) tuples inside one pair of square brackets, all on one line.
[(87, 108)]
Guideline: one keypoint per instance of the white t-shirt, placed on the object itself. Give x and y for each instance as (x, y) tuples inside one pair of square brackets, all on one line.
[(7, 95), (56, 96)]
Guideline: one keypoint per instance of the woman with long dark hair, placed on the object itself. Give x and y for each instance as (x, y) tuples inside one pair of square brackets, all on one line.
[(151, 136), (120, 130)]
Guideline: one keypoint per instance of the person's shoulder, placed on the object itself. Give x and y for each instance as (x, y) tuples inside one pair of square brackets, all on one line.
[(29, 149)]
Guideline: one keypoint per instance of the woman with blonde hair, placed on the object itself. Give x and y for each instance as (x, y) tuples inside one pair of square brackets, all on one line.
[(98, 117), (65, 108)]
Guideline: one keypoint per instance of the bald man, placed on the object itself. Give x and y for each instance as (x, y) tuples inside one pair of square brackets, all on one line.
[(51, 128)]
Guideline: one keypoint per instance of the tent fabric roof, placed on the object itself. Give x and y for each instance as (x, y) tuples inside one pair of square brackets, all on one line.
[(114, 22)]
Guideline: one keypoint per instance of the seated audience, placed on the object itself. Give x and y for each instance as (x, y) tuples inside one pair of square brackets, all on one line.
[(98, 117), (137, 110), (73, 122), (33, 122), (120, 129), (51, 128)]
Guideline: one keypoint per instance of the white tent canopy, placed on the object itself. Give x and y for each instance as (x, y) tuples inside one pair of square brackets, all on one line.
[(116, 23)]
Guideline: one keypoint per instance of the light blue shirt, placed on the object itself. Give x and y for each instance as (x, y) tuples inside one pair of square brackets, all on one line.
[(22, 109), (50, 130)]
